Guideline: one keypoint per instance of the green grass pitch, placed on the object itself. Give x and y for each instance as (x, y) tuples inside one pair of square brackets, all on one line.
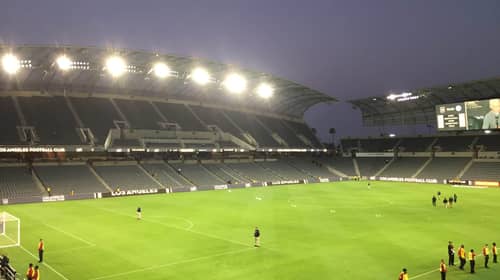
[(339, 230)]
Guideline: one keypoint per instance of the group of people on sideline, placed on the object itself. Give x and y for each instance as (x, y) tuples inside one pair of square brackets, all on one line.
[(462, 257)]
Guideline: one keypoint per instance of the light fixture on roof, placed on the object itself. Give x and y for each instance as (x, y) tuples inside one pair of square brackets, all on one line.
[(487, 131), (116, 66), (10, 64), (161, 70), (404, 96), (235, 83), (392, 135), (265, 90), (64, 63), (200, 76)]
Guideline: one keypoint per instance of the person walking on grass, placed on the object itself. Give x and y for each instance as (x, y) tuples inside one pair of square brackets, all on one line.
[(41, 249), (139, 213), (472, 261), (451, 254), (443, 270), (256, 236), (30, 272), (495, 252), (461, 256), (486, 254), (403, 275), (36, 274)]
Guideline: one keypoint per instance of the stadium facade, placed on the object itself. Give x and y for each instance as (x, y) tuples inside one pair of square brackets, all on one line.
[(81, 122)]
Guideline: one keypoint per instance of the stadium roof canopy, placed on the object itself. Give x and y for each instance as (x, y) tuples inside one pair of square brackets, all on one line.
[(418, 106), (40, 72)]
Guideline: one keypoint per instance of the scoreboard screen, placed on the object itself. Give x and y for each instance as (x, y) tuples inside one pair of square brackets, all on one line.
[(469, 115)]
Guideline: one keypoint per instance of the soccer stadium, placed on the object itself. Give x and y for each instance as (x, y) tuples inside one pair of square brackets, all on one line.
[(128, 164)]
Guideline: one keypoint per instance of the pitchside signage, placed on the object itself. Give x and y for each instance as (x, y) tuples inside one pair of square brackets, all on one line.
[(134, 192)]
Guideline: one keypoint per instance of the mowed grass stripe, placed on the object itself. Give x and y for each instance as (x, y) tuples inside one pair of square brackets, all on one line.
[(339, 230)]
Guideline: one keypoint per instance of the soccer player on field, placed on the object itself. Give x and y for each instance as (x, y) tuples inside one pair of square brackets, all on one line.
[(41, 248), (445, 202), (486, 254), (30, 272), (256, 235), (434, 199), (495, 252), (442, 269), (472, 260), (403, 275), (461, 256), (139, 213)]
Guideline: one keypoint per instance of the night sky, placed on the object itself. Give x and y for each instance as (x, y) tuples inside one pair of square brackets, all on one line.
[(347, 49)]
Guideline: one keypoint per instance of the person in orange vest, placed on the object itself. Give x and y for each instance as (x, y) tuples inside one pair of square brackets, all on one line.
[(36, 273), (495, 252), (403, 275), (461, 256), (442, 269), (472, 260), (486, 254), (41, 248), (30, 272)]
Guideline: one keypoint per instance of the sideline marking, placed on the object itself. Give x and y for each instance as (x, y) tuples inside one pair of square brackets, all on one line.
[(178, 228), (153, 267), (69, 234), (42, 263)]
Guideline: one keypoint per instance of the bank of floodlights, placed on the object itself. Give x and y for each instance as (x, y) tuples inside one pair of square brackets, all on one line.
[(161, 70), (200, 76), (265, 90), (235, 83), (10, 64), (116, 66), (64, 63)]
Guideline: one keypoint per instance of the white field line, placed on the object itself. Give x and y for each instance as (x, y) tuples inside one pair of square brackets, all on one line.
[(179, 228), (70, 235), (423, 274), (434, 270), (43, 263), (190, 223), (55, 252), (153, 267)]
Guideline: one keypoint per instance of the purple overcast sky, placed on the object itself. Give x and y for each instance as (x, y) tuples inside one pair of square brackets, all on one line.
[(347, 49)]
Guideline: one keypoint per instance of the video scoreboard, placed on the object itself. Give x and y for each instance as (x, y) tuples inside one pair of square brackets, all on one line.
[(469, 115)]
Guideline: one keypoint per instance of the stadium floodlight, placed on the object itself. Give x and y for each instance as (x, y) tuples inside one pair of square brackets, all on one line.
[(235, 83), (116, 66), (161, 70), (487, 131), (265, 90), (64, 62), (392, 135), (200, 76), (10, 64)]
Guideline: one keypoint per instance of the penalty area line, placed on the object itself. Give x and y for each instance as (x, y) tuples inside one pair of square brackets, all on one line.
[(153, 267), (179, 228), (44, 264)]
